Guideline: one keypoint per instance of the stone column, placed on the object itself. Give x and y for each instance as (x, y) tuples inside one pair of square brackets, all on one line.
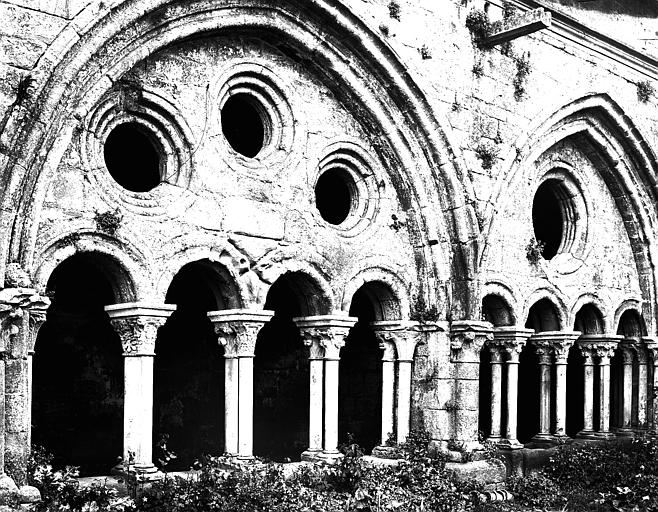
[(588, 396), (627, 354), (37, 317), (15, 305), (237, 330), (642, 385), (496, 392), (544, 350), (327, 333), (388, 390), (511, 341), (652, 348), (561, 346), (467, 338), (605, 351), (137, 325), (404, 336)]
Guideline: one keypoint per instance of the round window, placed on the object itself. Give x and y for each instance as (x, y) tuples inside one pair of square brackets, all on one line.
[(245, 124), (335, 195)]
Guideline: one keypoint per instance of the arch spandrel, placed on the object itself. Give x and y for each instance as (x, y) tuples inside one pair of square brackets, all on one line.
[(69, 81)]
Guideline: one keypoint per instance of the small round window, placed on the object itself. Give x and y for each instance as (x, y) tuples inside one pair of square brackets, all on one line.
[(554, 217), (335, 195), (133, 157), (245, 124)]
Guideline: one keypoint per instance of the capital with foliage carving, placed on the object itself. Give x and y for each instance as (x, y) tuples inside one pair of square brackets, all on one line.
[(325, 335), (554, 343), (403, 335), (467, 337), (37, 317), (510, 340), (651, 345), (601, 346), (137, 325), (15, 305), (237, 329)]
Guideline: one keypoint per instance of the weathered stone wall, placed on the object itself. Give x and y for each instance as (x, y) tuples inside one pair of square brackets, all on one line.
[(260, 220)]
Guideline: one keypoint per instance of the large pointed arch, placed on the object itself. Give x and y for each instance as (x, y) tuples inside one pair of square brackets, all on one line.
[(614, 145), (103, 42)]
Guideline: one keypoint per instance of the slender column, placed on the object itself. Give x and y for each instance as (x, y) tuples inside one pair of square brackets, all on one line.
[(37, 317), (627, 354), (511, 341), (388, 390), (496, 392), (329, 333), (642, 385), (561, 346), (543, 350), (652, 349), (466, 340), (237, 330), (588, 396), (605, 352), (137, 325)]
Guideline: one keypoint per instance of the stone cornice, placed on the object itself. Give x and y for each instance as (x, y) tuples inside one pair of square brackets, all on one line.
[(594, 42), (325, 334), (237, 329), (139, 309)]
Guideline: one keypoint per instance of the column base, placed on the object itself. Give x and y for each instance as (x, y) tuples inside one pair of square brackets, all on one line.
[(330, 457), (138, 472), (604, 435), (543, 439), (587, 434), (510, 444), (624, 432), (311, 455), (493, 439)]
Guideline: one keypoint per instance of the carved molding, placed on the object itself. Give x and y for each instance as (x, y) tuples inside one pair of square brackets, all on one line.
[(467, 339), (138, 334), (324, 342), (16, 307)]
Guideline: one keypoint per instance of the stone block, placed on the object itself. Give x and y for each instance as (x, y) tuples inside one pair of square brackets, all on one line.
[(29, 494), (483, 471), (254, 218), (20, 53)]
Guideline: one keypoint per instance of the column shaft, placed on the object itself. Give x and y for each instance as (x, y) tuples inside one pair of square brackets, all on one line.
[(627, 394), (642, 396), (404, 399), (560, 398), (496, 398), (231, 407), (331, 406), (315, 405), (388, 400), (138, 410), (604, 387), (512, 400), (544, 398), (246, 406), (589, 396)]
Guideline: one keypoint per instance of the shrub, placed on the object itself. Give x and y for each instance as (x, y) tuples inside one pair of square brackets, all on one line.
[(394, 10), (108, 222), (478, 24), (537, 491), (523, 69), (645, 91), (487, 154)]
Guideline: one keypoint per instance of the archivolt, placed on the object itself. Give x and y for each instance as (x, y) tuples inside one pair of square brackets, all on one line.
[(77, 70), (622, 156)]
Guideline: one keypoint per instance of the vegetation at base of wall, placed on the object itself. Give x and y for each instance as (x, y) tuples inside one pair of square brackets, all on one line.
[(394, 10), (645, 91), (108, 222)]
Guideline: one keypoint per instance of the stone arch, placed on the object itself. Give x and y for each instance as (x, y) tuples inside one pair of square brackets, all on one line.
[(599, 304), (551, 304), (623, 158), (77, 382), (631, 307), (68, 81), (123, 266), (497, 310), (589, 319), (631, 324), (311, 290), (223, 264), (388, 292)]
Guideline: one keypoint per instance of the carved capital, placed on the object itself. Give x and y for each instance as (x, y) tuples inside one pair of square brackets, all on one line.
[(601, 346), (325, 335), (237, 329), (15, 307), (467, 339), (651, 344), (554, 343), (137, 325), (37, 317), (511, 341)]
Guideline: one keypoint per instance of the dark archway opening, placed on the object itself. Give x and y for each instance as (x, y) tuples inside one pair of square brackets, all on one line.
[(244, 124), (543, 316), (548, 219), (281, 370), (77, 390), (496, 310), (575, 392), (188, 396), (132, 157), (589, 320), (360, 378), (334, 194)]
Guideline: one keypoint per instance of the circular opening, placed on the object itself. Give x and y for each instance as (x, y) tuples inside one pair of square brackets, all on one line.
[(132, 158), (552, 214), (243, 125), (334, 194)]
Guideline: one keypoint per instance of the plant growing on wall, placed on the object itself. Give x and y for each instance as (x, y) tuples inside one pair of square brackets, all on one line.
[(108, 222), (487, 154), (425, 52), (394, 10), (478, 69), (534, 250), (478, 24), (521, 77), (383, 28), (645, 91), (421, 312)]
